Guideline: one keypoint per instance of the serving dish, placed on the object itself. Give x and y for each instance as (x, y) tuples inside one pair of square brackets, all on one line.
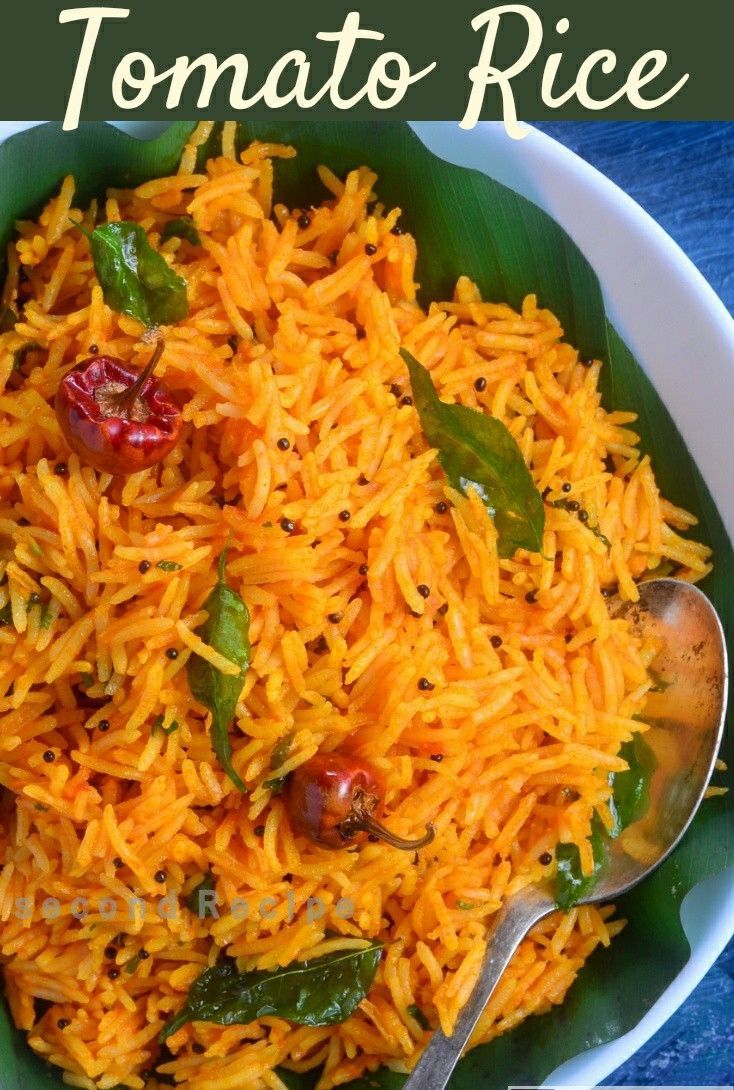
[(669, 317)]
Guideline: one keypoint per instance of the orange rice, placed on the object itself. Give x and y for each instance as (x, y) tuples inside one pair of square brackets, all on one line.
[(284, 340)]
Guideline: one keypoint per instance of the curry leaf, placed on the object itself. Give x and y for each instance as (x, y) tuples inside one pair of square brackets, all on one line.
[(602, 537), (628, 802), (20, 353), (631, 788), (275, 784), (199, 905), (6, 614), (160, 720), (478, 451), (132, 964), (321, 992), (571, 883), (415, 1012), (226, 629), (181, 227), (135, 279), (281, 751), (168, 565)]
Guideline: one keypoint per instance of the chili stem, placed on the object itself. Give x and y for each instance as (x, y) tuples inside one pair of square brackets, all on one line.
[(362, 820), (128, 397)]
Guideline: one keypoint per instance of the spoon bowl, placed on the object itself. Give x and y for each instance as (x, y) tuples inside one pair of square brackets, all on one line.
[(685, 712)]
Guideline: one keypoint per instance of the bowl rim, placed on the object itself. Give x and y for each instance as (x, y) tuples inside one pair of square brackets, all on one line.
[(574, 192)]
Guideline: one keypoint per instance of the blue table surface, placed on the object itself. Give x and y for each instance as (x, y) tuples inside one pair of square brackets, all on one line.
[(682, 173)]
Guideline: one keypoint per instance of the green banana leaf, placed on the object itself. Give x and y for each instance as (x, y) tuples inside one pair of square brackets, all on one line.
[(465, 223)]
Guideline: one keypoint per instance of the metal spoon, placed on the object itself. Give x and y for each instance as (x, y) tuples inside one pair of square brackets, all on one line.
[(686, 717)]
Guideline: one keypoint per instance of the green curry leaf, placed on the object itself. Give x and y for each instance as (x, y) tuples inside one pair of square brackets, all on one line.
[(278, 756), (321, 992), (199, 905), (571, 883), (169, 565), (160, 720), (631, 788), (135, 279), (132, 964), (629, 800), (181, 227), (478, 451), (281, 751), (226, 629), (20, 353), (415, 1012)]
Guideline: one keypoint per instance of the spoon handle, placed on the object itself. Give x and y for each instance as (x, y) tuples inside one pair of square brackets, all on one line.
[(515, 919)]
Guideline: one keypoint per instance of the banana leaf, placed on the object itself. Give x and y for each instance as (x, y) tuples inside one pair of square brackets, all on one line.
[(465, 223)]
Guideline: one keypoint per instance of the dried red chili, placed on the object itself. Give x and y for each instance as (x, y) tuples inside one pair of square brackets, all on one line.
[(117, 420), (334, 799)]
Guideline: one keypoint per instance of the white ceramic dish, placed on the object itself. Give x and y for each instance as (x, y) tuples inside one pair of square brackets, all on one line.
[(684, 337)]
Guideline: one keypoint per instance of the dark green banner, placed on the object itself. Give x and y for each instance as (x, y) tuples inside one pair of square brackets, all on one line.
[(461, 60)]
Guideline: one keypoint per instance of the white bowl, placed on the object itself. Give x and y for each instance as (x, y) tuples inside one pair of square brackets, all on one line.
[(683, 336)]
